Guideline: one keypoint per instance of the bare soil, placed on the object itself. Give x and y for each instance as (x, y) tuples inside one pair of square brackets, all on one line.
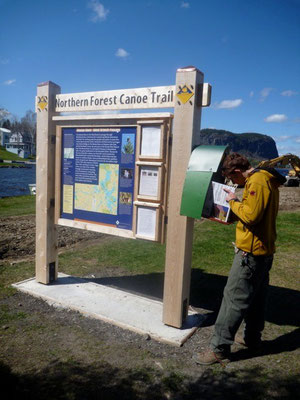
[(50, 353)]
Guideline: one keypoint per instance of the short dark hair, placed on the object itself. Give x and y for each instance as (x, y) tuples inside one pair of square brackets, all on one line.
[(235, 161)]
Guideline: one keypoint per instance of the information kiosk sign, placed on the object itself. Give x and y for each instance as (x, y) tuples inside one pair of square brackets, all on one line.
[(121, 174), (97, 175)]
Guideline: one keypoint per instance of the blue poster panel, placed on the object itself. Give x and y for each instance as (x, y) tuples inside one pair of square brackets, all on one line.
[(97, 175)]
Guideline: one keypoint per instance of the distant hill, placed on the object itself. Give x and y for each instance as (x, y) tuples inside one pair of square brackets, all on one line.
[(252, 145)]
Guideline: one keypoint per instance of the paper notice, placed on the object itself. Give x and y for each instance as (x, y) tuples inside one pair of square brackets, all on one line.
[(146, 222), (68, 199), (151, 141), (148, 181)]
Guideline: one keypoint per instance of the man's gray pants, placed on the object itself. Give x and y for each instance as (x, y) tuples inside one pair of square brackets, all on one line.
[(244, 298)]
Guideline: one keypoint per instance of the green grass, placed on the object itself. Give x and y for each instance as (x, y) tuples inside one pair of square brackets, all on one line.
[(6, 155), (212, 250), (17, 205)]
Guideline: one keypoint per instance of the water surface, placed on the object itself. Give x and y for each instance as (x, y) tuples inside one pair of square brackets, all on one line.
[(14, 181)]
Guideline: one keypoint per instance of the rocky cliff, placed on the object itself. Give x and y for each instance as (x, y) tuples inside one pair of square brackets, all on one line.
[(252, 145)]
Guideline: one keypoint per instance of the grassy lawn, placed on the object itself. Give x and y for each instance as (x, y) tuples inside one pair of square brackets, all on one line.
[(18, 205), (7, 155), (212, 250)]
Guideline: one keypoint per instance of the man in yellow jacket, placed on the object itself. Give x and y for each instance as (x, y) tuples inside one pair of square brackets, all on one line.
[(246, 288)]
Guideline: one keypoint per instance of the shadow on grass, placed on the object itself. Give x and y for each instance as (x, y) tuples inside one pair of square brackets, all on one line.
[(206, 293), (101, 381)]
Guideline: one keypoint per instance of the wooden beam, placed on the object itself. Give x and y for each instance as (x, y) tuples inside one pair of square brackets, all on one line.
[(46, 235), (186, 130)]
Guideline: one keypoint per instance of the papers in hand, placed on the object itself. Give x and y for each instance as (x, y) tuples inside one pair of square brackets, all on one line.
[(221, 209)]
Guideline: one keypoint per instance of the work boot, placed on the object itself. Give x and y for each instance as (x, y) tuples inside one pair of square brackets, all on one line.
[(210, 357), (255, 347)]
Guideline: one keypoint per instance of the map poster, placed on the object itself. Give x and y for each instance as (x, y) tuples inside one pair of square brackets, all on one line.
[(97, 175)]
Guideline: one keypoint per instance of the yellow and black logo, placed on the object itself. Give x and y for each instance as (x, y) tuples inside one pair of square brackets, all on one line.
[(184, 94), (42, 103)]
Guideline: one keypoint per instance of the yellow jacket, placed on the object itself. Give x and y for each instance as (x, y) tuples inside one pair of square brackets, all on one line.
[(256, 229)]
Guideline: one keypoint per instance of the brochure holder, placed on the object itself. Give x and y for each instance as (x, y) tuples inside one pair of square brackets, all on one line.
[(204, 166)]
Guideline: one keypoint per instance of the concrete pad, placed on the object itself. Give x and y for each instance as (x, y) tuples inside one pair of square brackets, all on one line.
[(124, 309)]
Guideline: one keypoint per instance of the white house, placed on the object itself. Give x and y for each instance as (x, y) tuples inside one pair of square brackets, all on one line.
[(20, 144), (4, 136)]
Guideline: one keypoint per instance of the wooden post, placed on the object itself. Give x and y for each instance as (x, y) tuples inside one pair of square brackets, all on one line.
[(186, 130), (46, 235)]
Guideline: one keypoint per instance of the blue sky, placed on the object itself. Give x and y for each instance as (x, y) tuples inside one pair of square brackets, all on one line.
[(248, 50)]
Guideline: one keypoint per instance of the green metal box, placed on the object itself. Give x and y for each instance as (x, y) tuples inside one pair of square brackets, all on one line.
[(204, 166)]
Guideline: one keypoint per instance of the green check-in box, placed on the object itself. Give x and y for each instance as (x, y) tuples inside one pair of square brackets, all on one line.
[(204, 166)]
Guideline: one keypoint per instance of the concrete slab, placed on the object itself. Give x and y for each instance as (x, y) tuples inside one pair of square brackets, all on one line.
[(124, 309)]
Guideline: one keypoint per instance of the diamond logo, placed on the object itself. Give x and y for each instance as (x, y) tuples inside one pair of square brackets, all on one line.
[(184, 94), (42, 103)]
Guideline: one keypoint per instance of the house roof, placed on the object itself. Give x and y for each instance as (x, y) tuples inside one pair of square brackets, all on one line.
[(5, 130)]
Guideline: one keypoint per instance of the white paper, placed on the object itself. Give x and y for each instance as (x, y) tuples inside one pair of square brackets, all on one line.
[(221, 206), (220, 194), (151, 141), (148, 181), (146, 222)]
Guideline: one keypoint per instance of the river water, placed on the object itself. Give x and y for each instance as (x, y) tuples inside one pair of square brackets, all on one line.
[(14, 181)]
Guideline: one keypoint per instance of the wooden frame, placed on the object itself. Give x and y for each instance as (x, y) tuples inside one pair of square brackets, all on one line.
[(190, 94), (46, 260), (187, 119), (149, 125), (151, 165), (155, 207)]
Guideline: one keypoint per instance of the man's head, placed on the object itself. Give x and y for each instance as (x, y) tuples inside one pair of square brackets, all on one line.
[(236, 167)]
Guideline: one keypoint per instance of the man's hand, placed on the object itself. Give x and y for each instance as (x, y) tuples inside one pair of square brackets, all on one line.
[(230, 195)]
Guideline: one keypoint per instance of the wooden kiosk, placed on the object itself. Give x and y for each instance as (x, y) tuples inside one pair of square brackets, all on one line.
[(120, 173)]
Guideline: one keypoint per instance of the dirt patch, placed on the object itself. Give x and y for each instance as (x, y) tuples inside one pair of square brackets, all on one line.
[(18, 237)]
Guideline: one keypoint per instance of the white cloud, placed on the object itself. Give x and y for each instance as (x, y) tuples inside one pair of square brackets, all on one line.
[(282, 148), (297, 140), (283, 138), (276, 118), (264, 93), (229, 104), (122, 53), (99, 11), (9, 82), (185, 4), (289, 93)]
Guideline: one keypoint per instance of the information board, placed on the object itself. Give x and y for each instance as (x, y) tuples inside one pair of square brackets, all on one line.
[(97, 175)]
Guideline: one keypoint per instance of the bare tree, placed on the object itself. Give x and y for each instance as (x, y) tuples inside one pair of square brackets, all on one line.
[(4, 114), (28, 124)]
